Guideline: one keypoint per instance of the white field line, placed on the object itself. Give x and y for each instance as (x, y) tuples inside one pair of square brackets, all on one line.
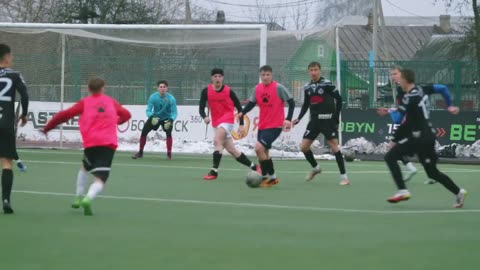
[(231, 169), (264, 206)]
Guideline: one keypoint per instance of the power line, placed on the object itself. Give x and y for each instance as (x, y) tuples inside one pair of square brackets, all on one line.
[(409, 12), (288, 4)]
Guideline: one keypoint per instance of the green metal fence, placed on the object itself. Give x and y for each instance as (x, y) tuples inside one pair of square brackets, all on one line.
[(462, 79)]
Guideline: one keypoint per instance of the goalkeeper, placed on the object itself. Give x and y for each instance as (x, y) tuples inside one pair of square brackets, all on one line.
[(161, 111)]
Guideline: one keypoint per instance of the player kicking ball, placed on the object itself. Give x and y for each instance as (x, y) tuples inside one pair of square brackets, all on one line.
[(270, 96), (99, 116), (417, 137), (325, 104), (10, 82), (161, 111), (222, 102)]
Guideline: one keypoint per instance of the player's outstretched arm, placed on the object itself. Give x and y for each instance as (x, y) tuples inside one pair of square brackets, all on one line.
[(22, 90), (173, 104), (64, 116), (304, 109), (149, 110), (123, 114), (203, 103)]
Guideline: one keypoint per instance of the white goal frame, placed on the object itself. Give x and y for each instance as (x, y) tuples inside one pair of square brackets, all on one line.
[(262, 28)]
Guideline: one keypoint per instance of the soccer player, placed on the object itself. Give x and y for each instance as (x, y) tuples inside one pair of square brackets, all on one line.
[(222, 103), (428, 89), (99, 117), (415, 135), (10, 82), (161, 111), (325, 104), (270, 96)]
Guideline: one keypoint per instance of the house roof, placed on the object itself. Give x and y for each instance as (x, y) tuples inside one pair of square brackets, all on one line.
[(394, 42), (445, 47)]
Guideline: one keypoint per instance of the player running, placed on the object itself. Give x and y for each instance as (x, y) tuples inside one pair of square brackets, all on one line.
[(270, 96), (325, 104), (222, 103), (99, 116), (415, 135), (161, 111), (428, 89), (10, 82)]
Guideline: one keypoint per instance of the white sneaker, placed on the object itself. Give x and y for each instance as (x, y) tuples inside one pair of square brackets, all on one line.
[(409, 175), (344, 180), (312, 173), (460, 198)]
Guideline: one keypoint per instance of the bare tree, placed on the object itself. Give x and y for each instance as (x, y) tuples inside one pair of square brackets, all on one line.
[(472, 27), (299, 16), (264, 13), (330, 11), (31, 11)]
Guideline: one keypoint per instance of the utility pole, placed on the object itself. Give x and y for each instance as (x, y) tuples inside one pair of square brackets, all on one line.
[(375, 50), (188, 12)]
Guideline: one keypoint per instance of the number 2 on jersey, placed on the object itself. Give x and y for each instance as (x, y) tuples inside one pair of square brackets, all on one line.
[(3, 93)]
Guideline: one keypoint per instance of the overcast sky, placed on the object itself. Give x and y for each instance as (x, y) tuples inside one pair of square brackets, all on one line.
[(390, 7)]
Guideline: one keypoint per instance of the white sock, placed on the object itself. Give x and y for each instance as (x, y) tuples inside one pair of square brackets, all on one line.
[(95, 188), (410, 167), (82, 178), (317, 167), (273, 177), (403, 191), (343, 176)]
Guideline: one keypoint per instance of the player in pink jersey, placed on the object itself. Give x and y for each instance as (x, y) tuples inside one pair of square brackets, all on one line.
[(270, 97), (99, 117), (222, 102)]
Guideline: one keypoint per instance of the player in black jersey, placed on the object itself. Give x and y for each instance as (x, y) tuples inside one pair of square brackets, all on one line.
[(415, 135), (325, 104), (429, 89), (10, 82)]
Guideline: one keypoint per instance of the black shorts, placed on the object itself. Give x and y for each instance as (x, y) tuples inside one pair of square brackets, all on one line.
[(8, 144), (266, 137), (424, 149), (149, 127), (98, 161), (328, 127)]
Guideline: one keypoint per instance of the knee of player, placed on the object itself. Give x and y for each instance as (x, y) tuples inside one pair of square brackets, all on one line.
[(304, 148), (259, 148)]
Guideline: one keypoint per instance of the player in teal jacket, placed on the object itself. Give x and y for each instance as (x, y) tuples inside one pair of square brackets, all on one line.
[(161, 111)]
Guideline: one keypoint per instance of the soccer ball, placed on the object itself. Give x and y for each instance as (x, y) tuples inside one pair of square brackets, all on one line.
[(254, 179), (349, 156)]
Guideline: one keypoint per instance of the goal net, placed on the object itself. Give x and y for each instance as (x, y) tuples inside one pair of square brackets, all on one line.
[(58, 59)]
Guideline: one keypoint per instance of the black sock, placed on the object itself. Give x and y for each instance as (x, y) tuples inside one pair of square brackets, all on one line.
[(7, 182), (217, 157), (245, 161), (264, 165), (392, 164), (405, 160), (271, 169), (310, 158), (433, 173), (340, 162)]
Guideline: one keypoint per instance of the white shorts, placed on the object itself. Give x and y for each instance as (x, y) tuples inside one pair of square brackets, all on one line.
[(227, 127)]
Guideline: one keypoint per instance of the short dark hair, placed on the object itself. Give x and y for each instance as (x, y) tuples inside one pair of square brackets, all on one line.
[(4, 50), (408, 75), (162, 82), (216, 71), (314, 64), (397, 67), (266, 68), (95, 84)]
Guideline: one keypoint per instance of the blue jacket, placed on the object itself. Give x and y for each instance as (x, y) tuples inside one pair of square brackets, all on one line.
[(162, 107)]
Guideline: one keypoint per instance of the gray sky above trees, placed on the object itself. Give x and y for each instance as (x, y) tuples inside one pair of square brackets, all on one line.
[(237, 10)]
